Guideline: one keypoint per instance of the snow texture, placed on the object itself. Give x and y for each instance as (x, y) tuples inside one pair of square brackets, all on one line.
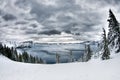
[(95, 69)]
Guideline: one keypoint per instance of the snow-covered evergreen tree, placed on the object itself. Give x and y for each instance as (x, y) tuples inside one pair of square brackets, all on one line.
[(114, 32), (105, 49), (88, 53)]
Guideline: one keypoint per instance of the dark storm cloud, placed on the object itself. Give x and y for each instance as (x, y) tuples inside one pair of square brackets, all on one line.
[(22, 4), (84, 16), (34, 25), (67, 5), (20, 23), (9, 17), (86, 21), (50, 32), (31, 31), (115, 2), (104, 2), (23, 28), (41, 11)]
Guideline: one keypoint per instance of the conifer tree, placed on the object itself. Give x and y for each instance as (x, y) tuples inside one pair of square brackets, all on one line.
[(87, 54), (114, 32), (13, 51), (1, 48), (57, 58), (105, 49), (20, 59), (40, 60), (16, 55)]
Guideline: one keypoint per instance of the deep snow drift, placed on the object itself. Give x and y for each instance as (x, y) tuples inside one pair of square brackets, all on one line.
[(95, 69)]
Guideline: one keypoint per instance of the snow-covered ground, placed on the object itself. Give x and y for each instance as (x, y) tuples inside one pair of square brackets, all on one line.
[(92, 70)]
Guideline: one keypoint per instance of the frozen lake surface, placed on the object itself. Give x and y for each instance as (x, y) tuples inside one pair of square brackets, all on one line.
[(48, 51)]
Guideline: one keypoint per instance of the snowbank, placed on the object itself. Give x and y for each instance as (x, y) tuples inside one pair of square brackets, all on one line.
[(92, 70)]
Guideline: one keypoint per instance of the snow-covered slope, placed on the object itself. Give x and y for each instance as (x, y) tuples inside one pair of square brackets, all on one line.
[(92, 70)]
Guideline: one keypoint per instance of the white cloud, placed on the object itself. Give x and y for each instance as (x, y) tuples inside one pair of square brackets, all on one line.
[(86, 17)]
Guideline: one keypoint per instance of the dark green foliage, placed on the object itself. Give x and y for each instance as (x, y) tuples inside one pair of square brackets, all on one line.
[(0, 46), (114, 32), (25, 56), (20, 59), (16, 55), (112, 20), (6, 51), (106, 52), (12, 54)]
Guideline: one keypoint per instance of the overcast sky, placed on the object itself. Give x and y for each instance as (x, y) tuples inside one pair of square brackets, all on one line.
[(45, 19)]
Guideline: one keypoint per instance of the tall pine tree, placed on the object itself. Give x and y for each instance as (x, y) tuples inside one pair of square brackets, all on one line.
[(105, 49), (114, 32)]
